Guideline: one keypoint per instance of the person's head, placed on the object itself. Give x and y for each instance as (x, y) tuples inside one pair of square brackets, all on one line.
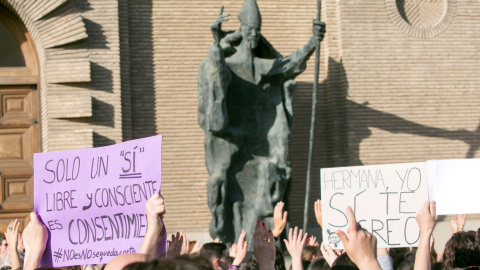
[(461, 250), (310, 253), (397, 252), (217, 254), (405, 261), (123, 260), (250, 23), (3, 244), (183, 262), (343, 262), (319, 264)]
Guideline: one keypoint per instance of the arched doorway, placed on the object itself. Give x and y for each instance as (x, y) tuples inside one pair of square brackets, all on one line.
[(19, 118)]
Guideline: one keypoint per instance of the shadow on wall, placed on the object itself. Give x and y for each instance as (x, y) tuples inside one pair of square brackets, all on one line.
[(140, 32), (137, 82), (338, 144)]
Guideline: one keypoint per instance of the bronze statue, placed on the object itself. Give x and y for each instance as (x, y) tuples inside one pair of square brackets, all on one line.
[(245, 110)]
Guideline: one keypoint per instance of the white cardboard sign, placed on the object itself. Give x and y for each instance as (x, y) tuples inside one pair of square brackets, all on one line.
[(384, 198), (454, 185)]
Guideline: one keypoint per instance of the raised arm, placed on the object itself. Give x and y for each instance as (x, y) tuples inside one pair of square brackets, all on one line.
[(35, 238), (12, 240), (426, 223), (213, 80), (294, 64), (295, 245), (155, 208), (279, 219), (360, 245)]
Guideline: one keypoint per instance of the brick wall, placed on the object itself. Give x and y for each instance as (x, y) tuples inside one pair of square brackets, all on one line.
[(180, 33)]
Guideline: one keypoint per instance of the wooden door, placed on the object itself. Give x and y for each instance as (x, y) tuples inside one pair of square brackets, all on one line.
[(19, 119)]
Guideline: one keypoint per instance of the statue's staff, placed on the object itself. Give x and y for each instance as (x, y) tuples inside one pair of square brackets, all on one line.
[(312, 125)]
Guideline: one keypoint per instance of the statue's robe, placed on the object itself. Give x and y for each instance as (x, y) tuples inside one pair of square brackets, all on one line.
[(246, 115)]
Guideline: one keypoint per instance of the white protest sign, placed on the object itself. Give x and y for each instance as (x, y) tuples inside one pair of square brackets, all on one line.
[(384, 198), (454, 185)]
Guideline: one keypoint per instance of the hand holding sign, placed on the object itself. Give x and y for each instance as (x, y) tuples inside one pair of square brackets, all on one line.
[(155, 210), (35, 238), (328, 253), (360, 245), (426, 223), (426, 219)]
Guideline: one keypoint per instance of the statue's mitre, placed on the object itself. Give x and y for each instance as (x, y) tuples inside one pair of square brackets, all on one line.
[(250, 14)]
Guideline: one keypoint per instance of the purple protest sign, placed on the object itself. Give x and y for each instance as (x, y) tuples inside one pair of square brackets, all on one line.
[(92, 201)]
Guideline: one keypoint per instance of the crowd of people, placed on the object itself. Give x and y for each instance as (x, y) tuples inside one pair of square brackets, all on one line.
[(462, 251)]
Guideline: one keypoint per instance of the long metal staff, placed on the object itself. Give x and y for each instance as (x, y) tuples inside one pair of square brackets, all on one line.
[(312, 126)]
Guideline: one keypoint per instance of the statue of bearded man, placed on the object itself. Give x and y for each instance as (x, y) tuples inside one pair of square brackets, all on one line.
[(245, 110)]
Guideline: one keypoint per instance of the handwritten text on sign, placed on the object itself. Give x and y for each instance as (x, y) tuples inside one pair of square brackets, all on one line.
[(92, 201), (384, 198)]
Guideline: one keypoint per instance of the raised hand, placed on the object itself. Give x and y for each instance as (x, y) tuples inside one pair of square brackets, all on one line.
[(217, 26), (328, 253), (279, 219), (232, 251), (426, 222), (35, 238), (318, 29), (12, 240), (318, 212), (461, 219), (241, 249), (426, 219), (185, 245), (175, 246), (453, 225), (196, 248), (155, 209), (12, 234), (312, 241), (295, 245), (264, 246), (360, 245)]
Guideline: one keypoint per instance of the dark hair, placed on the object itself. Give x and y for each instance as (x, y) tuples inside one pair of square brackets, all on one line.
[(309, 252), (305, 264), (343, 262), (183, 262), (252, 263), (405, 261), (397, 252), (319, 264), (461, 250), (213, 250)]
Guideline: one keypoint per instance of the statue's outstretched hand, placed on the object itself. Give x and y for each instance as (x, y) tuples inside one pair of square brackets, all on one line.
[(318, 29), (217, 25)]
